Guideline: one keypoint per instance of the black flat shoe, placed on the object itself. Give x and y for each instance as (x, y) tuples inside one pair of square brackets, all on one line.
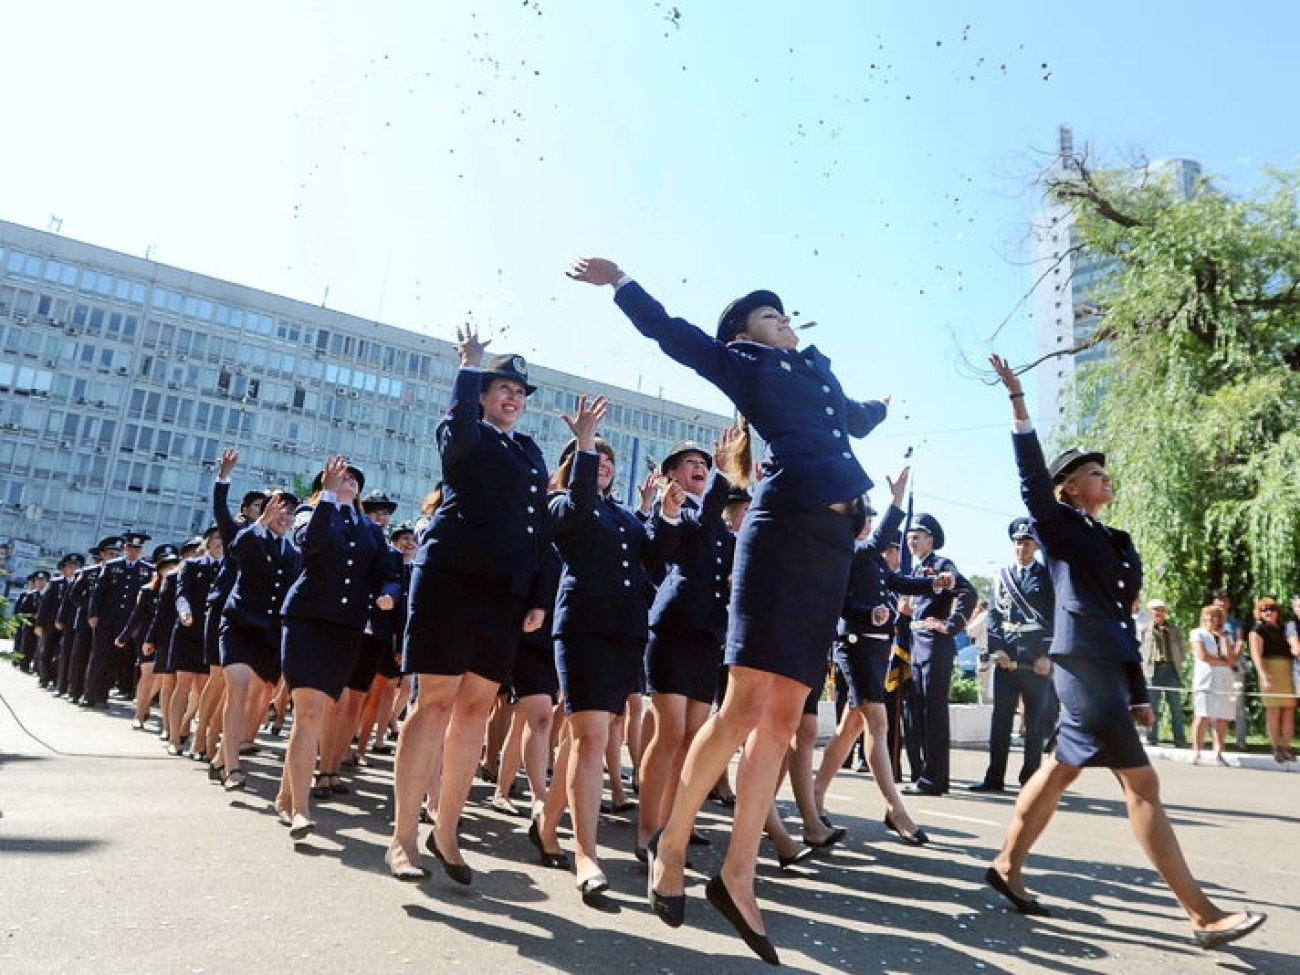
[(459, 872), (921, 790), (640, 854), (1217, 939), (698, 839), (671, 909), (836, 836), (787, 862), (985, 787), (1025, 905), (556, 861), (720, 898), (916, 838)]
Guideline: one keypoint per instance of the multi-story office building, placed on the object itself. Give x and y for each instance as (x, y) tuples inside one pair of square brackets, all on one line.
[(1067, 310), (121, 379)]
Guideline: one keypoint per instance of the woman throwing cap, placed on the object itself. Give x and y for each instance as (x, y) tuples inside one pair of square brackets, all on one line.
[(1097, 674), (791, 568)]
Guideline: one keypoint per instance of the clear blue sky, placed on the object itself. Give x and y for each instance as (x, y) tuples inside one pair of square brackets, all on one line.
[(432, 163)]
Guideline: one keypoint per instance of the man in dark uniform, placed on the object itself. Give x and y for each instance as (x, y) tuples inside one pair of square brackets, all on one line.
[(1020, 637), (26, 605), (936, 620), (75, 620), (50, 637), (110, 606)]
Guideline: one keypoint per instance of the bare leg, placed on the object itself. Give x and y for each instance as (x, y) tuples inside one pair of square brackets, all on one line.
[(1151, 826), (419, 752), (801, 781), (837, 749), (1198, 736), (765, 709), (590, 731), (144, 692), (667, 713), (309, 707), (1035, 807), (461, 751), (1220, 731), (239, 677), (634, 734), (882, 770), (498, 725), (614, 758)]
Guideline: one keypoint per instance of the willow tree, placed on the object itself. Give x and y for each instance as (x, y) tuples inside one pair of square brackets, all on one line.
[(1197, 400)]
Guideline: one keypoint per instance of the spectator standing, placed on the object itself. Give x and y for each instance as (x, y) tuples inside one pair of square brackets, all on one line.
[(1213, 702), (1272, 656), (1162, 646)]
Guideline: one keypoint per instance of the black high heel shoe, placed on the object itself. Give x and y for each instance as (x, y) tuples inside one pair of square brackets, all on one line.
[(720, 898), (459, 872), (556, 861), (918, 837), (669, 908)]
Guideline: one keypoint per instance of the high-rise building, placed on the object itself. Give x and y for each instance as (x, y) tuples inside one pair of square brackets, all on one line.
[(1067, 309), (121, 380)]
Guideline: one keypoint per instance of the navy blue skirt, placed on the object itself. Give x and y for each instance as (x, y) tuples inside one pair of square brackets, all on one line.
[(373, 649), (677, 662), (318, 654), (862, 660), (534, 671), (212, 635), (598, 671), (462, 623), (1096, 724), (790, 576), (255, 648)]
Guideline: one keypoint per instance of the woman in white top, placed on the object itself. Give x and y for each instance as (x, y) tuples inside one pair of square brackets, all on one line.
[(1212, 682)]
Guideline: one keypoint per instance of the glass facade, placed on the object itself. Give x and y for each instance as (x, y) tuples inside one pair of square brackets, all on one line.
[(121, 380)]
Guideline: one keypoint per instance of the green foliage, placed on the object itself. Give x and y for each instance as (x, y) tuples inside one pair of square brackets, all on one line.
[(964, 690), (1195, 403), (8, 624)]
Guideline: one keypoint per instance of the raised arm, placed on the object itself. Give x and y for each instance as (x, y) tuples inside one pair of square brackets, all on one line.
[(1035, 481), (679, 339), (221, 496), (580, 500), (460, 431)]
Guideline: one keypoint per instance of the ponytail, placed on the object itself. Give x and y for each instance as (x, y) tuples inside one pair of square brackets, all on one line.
[(738, 464)]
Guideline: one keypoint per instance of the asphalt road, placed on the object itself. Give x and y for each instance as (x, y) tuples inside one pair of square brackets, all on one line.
[(115, 858)]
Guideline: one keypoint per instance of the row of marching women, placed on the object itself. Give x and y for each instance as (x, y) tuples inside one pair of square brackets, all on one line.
[(536, 594)]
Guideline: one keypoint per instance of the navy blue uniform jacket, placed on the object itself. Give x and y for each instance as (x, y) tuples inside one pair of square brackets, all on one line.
[(51, 599), (1095, 570), (953, 606), (790, 397), (1006, 618), (693, 595), (345, 566), (113, 596), (163, 624), (872, 583), (604, 587), (265, 571), (194, 586), (141, 618), (72, 611), (492, 520)]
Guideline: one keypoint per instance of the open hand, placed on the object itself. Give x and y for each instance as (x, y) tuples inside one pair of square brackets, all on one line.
[(226, 463), (593, 270), (670, 501), (336, 467), (898, 485), (468, 347), (591, 410)]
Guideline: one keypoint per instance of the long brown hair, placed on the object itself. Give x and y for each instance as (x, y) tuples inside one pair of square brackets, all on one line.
[(738, 462)]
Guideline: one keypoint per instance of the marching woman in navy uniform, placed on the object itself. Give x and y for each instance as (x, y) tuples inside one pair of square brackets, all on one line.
[(473, 590), (688, 623), (791, 567), (264, 564), (937, 617), (601, 624), (1097, 674), (345, 571), (193, 595), (862, 650), (178, 698)]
